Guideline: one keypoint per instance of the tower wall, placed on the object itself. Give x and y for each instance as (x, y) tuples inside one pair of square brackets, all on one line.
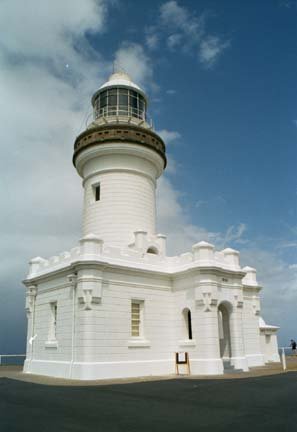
[(126, 173), (127, 203)]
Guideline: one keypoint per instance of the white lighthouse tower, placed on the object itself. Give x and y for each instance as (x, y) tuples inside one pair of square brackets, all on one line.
[(119, 158), (116, 305)]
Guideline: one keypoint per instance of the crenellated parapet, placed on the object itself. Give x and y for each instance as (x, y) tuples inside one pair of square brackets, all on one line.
[(149, 252)]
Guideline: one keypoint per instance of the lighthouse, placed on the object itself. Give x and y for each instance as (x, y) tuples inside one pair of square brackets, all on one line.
[(119, 158), (117, 305)]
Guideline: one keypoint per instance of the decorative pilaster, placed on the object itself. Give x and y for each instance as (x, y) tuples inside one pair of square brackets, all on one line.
[(238, 357), (207, 338), (30, 299)]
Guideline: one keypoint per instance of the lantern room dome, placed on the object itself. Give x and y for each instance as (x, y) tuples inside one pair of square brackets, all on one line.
[(121, 79), (121, 99)]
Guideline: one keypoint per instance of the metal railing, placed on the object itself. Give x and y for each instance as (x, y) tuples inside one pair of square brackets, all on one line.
[(120, 111), (2, 356)]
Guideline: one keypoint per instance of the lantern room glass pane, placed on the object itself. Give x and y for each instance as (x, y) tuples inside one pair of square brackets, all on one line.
[(112, 100), (120, 102), (123, 99)]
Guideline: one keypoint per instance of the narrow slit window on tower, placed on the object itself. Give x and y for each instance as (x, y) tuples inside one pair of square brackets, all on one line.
[(96, 190)]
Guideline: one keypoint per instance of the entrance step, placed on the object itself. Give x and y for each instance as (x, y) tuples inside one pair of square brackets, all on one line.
[(229, 369)]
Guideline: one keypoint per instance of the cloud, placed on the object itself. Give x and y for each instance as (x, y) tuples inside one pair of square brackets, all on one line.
[(174, 221), (171, 91), (235, 233), (280, 288), (134, 60), (174, 16), (200, 203), (174, 40), (210, 50), (152, 41), (169, 137), (187, 32), (43, 107)]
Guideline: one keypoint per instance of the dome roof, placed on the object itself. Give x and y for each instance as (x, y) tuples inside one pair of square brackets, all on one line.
[(121, 79)]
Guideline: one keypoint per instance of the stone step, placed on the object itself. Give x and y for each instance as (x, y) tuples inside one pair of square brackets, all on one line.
[(230, 369)]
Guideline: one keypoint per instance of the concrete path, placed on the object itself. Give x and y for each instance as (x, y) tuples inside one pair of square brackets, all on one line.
[(15, 372)]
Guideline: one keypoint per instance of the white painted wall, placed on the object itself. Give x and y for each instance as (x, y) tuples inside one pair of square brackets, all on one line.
[(269, 346), (127, 175)]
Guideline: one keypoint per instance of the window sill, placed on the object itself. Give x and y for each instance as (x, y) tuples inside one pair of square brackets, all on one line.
[(135, 343), (187, 342), (51, 344)]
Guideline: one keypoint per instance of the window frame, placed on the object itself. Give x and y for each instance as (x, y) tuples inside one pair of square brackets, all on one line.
[(140, 334), (52, 331)]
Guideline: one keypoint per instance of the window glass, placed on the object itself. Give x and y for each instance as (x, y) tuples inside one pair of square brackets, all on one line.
[(123, 99), (112, 100), (112, 92), (133, 101), (141, 104), (97, 193), (137, 318), (103, 100)]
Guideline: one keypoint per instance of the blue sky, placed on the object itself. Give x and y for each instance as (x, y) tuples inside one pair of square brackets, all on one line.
[(221, 79)]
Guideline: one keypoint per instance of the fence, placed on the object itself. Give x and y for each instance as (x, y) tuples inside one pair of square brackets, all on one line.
[(12, 359)]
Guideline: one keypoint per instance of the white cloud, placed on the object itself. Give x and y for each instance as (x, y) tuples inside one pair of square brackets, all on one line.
[(280, 288), (42, 107), (133, 59), (169, 137), (171, 91), (200, 203), (152, 41), (178, 17), (187, 32), (174, 40), (173, 220), (210, 50), (235, 233)]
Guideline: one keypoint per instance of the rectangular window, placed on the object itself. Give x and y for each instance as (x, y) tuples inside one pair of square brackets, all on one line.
[(137, 318), (96, 191), (52, 335)]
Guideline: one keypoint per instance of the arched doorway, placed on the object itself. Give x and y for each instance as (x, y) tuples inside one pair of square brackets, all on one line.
[(224, 311)]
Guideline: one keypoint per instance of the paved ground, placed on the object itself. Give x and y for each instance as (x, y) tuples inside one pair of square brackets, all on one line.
[(15, 372), (266, 403)]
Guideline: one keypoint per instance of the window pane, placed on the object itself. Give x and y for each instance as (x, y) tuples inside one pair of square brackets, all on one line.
[(123, 100), (112, 92), (97, 193), (135, 319), (141, 103), (133, 102), (112, 100), (103, 101)]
